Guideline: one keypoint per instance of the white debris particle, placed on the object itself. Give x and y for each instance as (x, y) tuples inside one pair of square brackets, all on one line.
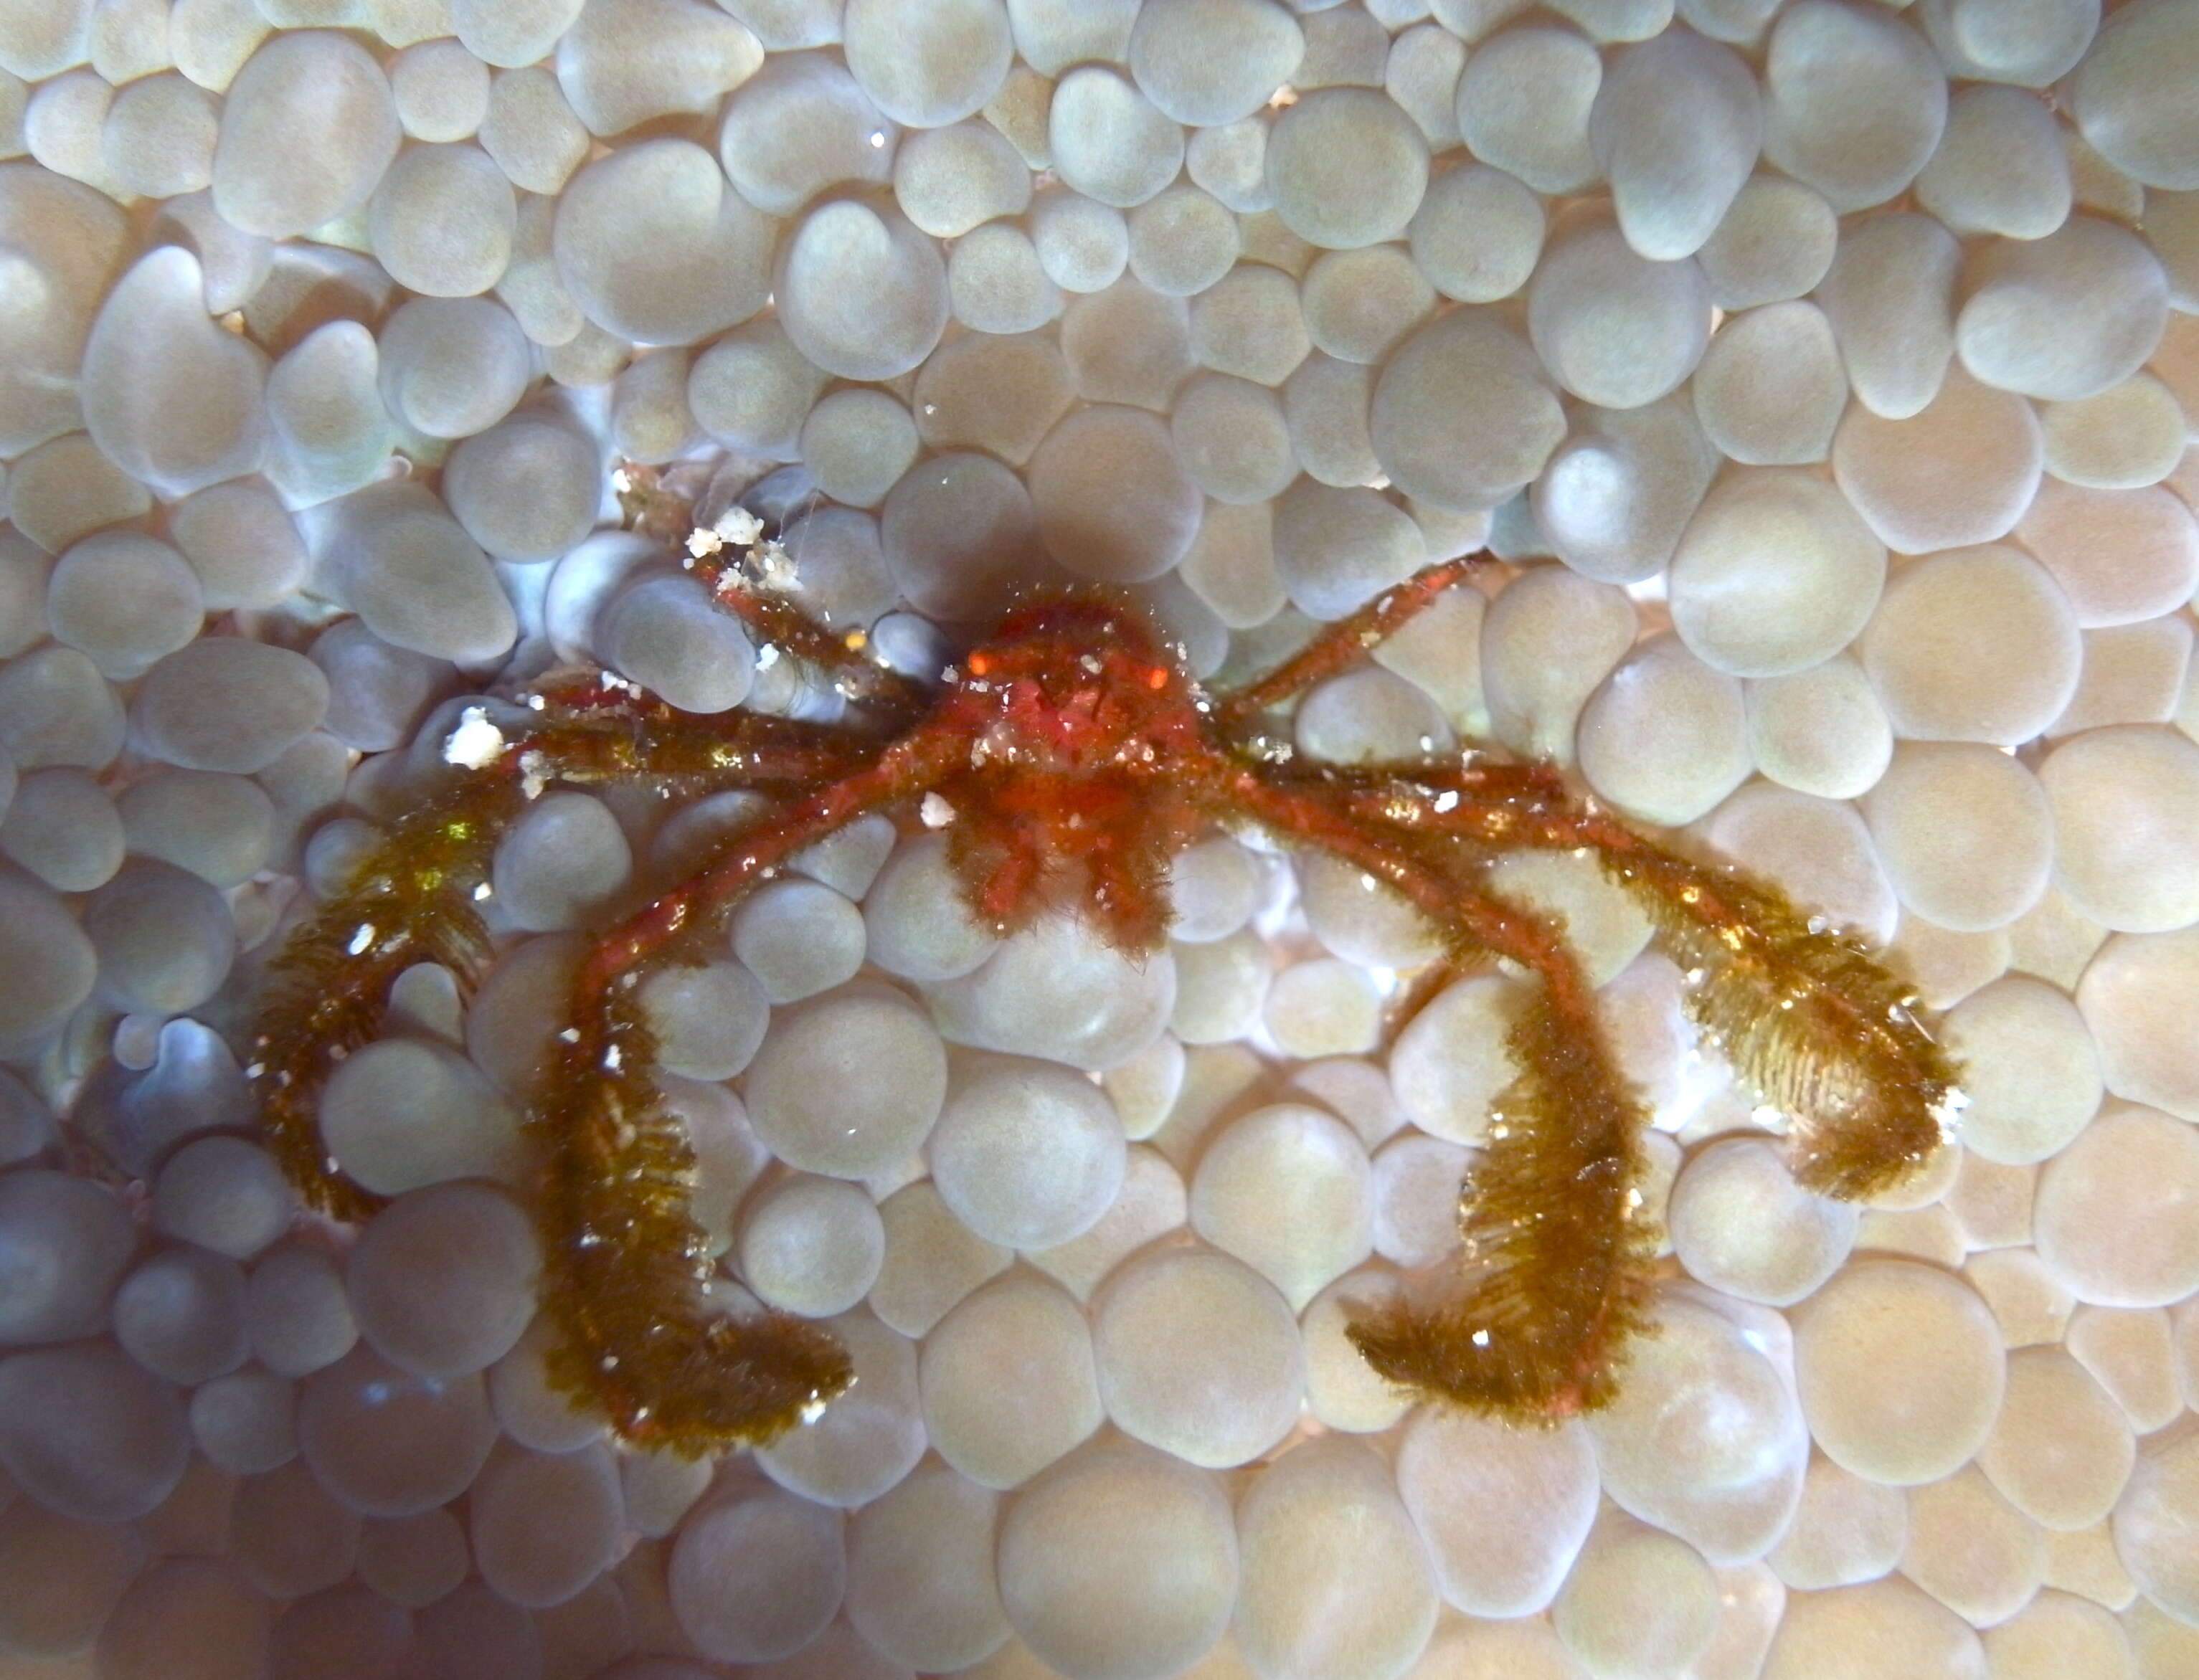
[(738, 527), (476, 743), (533, 774), (774, 567)]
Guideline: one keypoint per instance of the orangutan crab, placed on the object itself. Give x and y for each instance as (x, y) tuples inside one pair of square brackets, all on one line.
[(1068, 757)]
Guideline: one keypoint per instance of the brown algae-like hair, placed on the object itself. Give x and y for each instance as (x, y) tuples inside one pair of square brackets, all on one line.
[(1072, 755)]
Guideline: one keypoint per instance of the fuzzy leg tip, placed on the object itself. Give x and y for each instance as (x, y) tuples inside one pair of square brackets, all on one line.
[(1516, 1379)]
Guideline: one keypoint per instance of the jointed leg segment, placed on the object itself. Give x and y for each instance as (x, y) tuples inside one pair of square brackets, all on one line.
[(1820, 1030), (627, 1274), (624, 1264), (1556, 1242), (415, 901), (1343, 644)]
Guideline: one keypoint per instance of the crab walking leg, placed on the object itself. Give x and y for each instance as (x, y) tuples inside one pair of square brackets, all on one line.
[(748, 577), (1807, 1015), (1130, 897), (625, 1270), (412, 899), (776, 621), (1551, 1214), (601, 729), (1343, 644)]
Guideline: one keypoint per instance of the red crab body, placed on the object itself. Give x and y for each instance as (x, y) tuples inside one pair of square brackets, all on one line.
[(1069, 757), (1083, 734)]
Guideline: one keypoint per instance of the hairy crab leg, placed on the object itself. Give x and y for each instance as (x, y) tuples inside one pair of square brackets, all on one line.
[(1808, 1018), (1345, 643), (413, 900), (626, 1272), (1551, 1211), (746, 576), (1820, 1029), (779, 624)]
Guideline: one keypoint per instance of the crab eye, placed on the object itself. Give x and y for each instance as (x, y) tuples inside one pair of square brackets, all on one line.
[(1157, 679), (979, 664)]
